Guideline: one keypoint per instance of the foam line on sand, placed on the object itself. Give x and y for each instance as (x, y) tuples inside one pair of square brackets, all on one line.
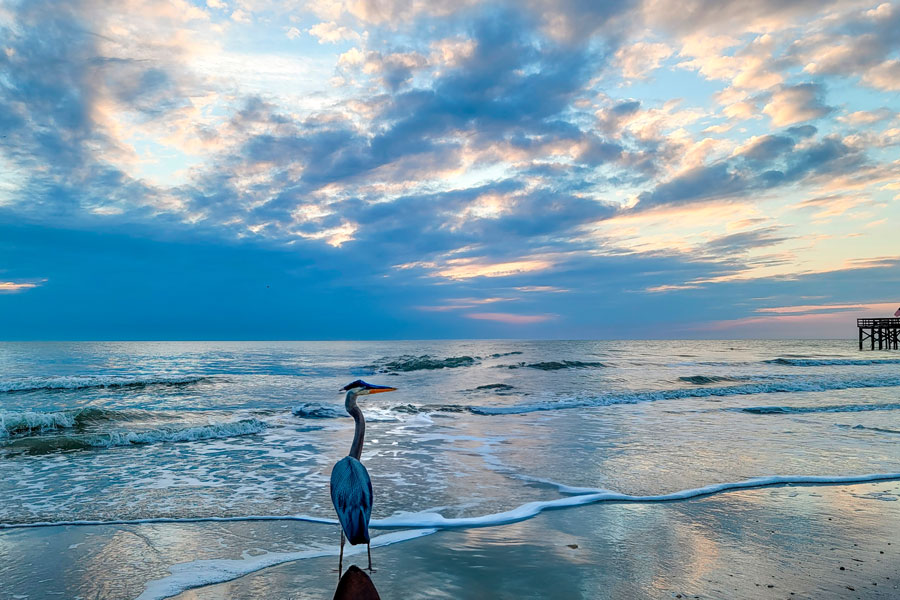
[(531, 509), (578, 496), (198, 573)]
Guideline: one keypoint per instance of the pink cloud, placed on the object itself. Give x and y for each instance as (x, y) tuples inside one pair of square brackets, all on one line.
[(786, 322), (11, 287), (510, 318)]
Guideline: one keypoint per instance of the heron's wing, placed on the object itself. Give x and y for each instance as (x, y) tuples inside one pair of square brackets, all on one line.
[(351, 494)]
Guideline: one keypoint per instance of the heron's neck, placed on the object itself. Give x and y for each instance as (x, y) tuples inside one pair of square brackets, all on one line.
[(360, 435)]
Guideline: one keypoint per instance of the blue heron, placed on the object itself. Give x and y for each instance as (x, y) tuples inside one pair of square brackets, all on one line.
[(351, 488)]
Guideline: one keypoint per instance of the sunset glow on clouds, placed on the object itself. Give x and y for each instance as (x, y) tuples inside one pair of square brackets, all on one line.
[(335, 169)]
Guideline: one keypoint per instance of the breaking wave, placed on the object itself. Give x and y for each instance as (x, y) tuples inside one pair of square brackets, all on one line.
[(425, 362), (556, 365), (28, 422), (313, 410), (78, 382), (111, 439), (834, 408), (826, 362)]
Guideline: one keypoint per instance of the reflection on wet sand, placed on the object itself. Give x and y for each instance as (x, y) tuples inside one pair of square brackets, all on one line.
[(356, 585)]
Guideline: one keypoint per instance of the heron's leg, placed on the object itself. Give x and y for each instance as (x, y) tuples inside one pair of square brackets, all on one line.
[(341, 559), (369, 550)]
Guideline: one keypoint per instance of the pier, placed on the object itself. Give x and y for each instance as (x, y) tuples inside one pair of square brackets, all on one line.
[(883, 332)]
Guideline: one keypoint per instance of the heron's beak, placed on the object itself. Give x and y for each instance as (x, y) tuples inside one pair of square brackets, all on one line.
[(379, 389)]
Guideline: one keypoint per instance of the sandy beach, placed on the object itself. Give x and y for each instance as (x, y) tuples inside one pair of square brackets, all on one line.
[(837, 541)]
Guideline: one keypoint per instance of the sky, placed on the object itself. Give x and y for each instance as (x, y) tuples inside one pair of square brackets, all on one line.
[(403, 169)]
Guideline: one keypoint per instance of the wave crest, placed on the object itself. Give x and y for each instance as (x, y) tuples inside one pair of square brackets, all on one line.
[(313, 410), (425, 362), (111, 439), (29, 422), (79, 382)]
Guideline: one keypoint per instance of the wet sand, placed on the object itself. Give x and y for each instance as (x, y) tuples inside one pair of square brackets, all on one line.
[(840, 541)]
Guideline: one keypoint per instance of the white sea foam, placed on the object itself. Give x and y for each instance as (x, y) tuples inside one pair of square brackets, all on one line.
[(188, 434), (531, 509), (768, 387), (579, 497), (77, 382), (186, 576)]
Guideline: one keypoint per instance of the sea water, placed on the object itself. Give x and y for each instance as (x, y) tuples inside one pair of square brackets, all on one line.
[(478, 434)]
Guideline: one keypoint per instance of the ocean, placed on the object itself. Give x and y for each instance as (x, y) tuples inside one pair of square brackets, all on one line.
[(151, 468)]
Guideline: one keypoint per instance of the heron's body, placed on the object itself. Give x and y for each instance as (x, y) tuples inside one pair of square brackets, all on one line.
[(351, 494), (351, 487)]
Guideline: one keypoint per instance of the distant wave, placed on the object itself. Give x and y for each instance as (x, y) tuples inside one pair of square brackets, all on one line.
[(319, 411), (707, 379), (111, 439), (500, 387), (502, 354), (834, 408), (863, 427), (424, 362), (556, 365), (825, 362), (77, 382), (769, 387)]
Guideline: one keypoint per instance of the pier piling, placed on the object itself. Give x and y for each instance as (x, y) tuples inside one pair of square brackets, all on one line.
[(883, 332)]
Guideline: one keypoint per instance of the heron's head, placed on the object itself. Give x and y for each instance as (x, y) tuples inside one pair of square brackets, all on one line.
[(361, 388)]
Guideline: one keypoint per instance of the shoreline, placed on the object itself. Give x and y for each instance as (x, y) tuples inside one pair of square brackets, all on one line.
[(751, 543)]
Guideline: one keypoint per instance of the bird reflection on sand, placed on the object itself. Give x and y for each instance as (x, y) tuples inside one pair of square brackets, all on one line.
[(355, 584)]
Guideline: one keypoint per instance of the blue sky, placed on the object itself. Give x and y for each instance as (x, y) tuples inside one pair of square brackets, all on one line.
[(349, 169)]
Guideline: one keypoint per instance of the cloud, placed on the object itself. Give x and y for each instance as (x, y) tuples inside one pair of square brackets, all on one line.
[(494, 152), (884, 76), (240, 16), (640, 59), (510, 318), (744, 241), (796, 104), (467, 268), (764, 163), (868, 117), (332, 33), (11, 287)]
